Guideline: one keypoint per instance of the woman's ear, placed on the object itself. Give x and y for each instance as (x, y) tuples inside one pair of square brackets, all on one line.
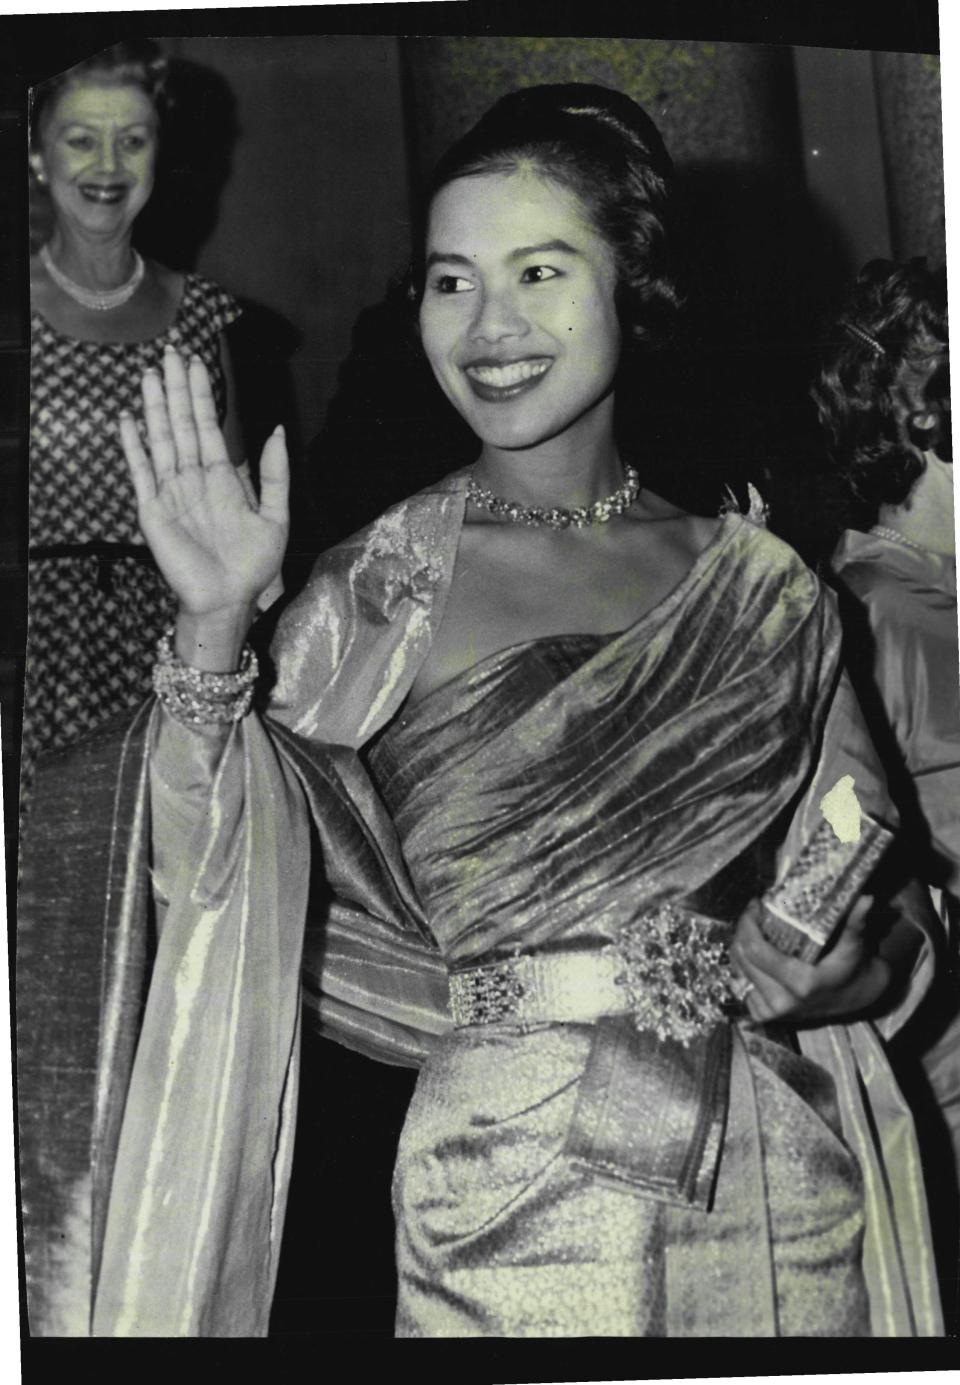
[(921, 403), (36, 164), (923, 430)]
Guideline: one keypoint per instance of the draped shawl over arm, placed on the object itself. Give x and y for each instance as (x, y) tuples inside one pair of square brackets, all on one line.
[(174, 1184)]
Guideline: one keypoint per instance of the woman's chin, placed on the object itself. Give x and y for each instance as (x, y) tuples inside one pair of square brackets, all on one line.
[(514, 434)]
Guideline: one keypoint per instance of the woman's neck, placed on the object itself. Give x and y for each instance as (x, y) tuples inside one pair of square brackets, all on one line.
[(578, 467), (926, 516), (94, 263)]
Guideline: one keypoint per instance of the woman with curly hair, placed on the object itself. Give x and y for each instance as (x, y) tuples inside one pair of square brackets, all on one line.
[(555, 735), (884, 401)]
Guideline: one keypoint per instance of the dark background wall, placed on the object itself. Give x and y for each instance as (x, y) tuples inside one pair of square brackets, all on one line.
[(293, 183), (315, 213)]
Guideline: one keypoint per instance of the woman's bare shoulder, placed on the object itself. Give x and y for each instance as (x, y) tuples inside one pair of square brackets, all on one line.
[(678, 526)]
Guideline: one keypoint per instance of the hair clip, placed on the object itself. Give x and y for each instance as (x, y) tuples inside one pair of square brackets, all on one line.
[(863, 335)]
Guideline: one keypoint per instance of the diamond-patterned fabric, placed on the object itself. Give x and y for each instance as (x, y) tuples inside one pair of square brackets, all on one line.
[(94, 619)]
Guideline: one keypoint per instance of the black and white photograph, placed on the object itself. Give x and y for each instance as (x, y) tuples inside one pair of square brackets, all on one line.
[(479, 684)]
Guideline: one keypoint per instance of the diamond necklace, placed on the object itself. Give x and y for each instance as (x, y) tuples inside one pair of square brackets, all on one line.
[(100, 301), (558, 518)]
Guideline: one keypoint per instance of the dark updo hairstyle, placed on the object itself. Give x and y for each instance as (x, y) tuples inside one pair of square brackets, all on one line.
[(134, 62), (604, 149), (884, 366)]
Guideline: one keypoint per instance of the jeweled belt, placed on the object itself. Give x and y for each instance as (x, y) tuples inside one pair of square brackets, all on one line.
[(669, 970)]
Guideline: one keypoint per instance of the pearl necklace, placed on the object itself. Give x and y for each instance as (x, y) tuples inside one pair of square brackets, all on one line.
[(896, 537), (100, 301), (558, 518)]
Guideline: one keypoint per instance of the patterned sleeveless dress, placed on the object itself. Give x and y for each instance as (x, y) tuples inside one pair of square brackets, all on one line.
[(96, 602)]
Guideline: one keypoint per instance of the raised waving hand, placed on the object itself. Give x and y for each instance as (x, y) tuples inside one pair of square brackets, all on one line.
[(214, 543)]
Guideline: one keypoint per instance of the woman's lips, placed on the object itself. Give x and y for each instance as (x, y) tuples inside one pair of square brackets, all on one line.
[(103, 194), (495, 382)]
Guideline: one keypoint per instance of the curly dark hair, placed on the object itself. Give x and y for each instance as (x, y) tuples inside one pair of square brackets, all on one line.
[(885, 366), (134, 62), (600, 145)]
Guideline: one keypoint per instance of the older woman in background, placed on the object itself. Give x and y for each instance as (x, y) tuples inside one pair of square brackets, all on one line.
[(101, 315)]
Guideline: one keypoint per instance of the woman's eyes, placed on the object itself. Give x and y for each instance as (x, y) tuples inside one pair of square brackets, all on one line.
[(538, 274), (533, 274), (453, 283), (129, 144)]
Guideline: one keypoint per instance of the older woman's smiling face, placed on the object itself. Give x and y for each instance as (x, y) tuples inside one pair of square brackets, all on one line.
[(518, 318), (98, 150)]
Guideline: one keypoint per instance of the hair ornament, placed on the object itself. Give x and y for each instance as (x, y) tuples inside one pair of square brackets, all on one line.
[(863, 335)]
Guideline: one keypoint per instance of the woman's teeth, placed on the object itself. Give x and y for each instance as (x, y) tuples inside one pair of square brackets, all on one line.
[(503, 376), (102, 194)]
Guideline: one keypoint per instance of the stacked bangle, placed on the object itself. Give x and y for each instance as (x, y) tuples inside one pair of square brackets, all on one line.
[(198, 698)]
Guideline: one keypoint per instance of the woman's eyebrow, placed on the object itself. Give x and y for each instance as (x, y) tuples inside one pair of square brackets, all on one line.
[(443, 257), (523, 251), (94, 126)]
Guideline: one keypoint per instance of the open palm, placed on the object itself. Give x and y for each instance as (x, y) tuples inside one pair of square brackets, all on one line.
[(214, 543)]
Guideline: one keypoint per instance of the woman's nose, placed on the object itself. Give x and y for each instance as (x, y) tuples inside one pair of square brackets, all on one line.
[(109, 156), (498, 315)]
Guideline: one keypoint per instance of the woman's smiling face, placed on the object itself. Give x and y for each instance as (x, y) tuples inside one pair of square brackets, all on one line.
[(518, 318), (98, 152)]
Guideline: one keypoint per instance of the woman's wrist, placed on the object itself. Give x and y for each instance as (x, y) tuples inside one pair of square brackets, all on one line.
[(213, 642)]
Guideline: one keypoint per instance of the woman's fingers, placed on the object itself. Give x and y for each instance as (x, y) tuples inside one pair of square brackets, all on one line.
[(246, 481), (141, 469), (786, 986), (275, 477), (162, 447), (213, 449), (180, 410), (777, 981), (767, 999)]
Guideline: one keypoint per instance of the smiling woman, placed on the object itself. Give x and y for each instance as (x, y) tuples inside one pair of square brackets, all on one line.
[(556, 736), (101, 315), (521, 304)]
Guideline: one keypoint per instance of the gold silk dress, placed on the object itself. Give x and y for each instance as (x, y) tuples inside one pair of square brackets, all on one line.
[(532, 813)]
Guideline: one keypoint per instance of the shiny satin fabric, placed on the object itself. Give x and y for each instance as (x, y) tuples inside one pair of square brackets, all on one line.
[(346, 654), (549, 793), (905, 644), (157, 1056), (83, 951), (901, 627)]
